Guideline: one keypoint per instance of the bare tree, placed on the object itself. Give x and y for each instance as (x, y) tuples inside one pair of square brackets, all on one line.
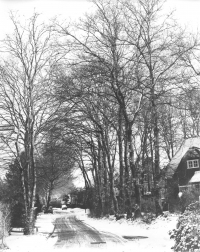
[(107, 60), (161, 45), (26, 101), (132, 55)]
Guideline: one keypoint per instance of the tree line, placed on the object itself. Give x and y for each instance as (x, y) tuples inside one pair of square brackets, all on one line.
[(112, 94)]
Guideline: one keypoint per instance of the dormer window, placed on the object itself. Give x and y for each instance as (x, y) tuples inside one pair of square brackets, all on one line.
[(192, 164)]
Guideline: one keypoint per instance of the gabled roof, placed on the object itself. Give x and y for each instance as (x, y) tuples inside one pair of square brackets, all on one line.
[(185, 146), (195, 178)]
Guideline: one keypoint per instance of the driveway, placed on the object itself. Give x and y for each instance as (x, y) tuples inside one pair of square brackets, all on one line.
[(72, 232)]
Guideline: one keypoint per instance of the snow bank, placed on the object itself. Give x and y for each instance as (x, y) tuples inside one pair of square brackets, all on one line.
[(157, 232), (33, 243)]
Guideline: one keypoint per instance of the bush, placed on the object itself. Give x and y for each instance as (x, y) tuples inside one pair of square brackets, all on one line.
[(148, 206), (55, 203), (187, 233), (5, 214), (148, 218), (188, 198), (17, 215), (177, 204)]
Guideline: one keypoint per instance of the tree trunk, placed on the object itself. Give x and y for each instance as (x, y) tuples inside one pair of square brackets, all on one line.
[(156, 156), (111, 175), (128, 204), (105, 184), (133, 168), (97, 176), (121, 165)]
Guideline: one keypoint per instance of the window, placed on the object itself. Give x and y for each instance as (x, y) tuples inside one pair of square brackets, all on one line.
[(191, 164)]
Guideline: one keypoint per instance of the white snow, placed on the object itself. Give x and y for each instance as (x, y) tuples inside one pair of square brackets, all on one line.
[(158, 238)]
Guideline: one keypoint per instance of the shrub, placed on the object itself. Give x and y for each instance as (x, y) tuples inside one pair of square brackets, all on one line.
[(17, 215), (172, 195), (188, 198), (55, 203), (177, 204), (5, 214), (187, 233), (148, 206), (148, 218)]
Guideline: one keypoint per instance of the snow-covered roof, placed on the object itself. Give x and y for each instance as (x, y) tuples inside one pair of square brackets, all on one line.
[(195, 178), (185, 146)]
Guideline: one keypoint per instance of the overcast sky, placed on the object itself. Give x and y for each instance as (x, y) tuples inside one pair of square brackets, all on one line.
[(48, 8), (188, 11)]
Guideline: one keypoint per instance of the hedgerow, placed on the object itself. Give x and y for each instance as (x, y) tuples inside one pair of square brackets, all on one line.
[(187, 232)]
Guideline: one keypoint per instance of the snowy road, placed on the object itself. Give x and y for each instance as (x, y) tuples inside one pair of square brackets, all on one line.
[(71, 231)]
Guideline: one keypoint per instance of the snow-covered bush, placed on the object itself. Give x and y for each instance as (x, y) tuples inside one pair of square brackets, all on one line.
[(148, 217), (188, 198), (5, 214), (187, 233)]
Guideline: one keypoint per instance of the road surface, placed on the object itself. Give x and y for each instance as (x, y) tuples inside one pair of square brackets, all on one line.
[(72, 232)]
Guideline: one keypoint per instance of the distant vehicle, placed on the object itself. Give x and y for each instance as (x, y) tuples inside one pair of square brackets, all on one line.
[(63, 207), (65, 199)]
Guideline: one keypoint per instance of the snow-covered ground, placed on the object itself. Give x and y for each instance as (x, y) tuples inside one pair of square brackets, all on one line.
[(158, 238)]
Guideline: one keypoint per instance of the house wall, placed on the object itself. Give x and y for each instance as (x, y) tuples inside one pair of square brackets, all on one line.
[(183, 174), (181, 177)]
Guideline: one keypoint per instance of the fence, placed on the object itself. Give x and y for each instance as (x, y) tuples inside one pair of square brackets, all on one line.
[(190, 187)]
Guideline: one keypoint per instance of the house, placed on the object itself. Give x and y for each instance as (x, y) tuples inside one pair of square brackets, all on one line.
[(183, 169)]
